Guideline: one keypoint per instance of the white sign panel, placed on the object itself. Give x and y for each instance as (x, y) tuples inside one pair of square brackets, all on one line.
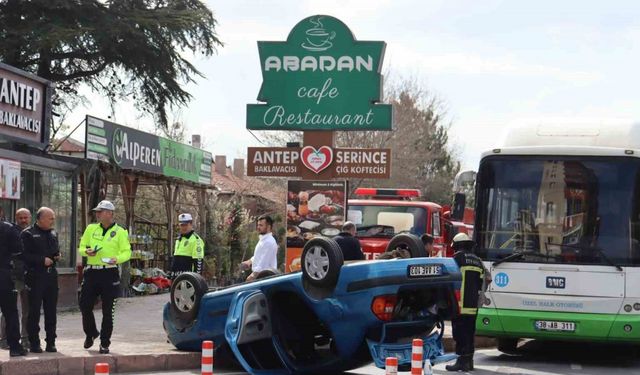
[(9, 179)]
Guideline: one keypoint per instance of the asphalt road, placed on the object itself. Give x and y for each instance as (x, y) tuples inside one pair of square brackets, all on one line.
[(535, 358)]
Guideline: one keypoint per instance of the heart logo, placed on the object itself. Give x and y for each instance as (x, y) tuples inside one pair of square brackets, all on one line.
[(316, 160)]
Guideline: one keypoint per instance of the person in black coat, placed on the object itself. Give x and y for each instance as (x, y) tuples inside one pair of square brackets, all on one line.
[(348, 242), (10, 246), (41, 254)]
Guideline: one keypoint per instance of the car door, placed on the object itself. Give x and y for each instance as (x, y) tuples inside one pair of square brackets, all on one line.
[(249, 333)]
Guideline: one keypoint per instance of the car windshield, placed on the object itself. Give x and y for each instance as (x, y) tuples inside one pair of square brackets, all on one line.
[(386, 221), (574, 210)]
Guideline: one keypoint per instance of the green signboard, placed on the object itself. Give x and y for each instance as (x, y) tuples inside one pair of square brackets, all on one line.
[(321, 78), (132, 149)]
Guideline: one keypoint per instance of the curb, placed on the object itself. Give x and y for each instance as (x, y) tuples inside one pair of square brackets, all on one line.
[(86, 365), (140, 362)]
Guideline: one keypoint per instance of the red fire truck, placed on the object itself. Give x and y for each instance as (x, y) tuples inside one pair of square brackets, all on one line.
[(384, 217)]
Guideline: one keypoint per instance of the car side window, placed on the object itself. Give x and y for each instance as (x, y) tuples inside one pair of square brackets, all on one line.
[(435, 224)]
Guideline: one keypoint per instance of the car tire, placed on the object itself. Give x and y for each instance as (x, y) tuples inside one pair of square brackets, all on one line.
[(321, 262), (186, 293), (508, 345), (409, 242), (266, 273)]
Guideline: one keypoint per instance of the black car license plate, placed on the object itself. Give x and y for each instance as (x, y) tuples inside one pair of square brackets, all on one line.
[(425, 270)]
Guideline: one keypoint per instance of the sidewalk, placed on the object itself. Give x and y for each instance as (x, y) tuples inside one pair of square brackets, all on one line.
[(138, 343)]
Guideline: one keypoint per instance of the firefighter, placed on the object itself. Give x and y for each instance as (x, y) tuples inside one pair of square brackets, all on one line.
[(10, 246), (41, 254), (464, 324), (189, 249), (105, 244)]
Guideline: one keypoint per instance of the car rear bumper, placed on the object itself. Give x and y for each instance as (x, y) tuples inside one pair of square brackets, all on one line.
[(432, 347)]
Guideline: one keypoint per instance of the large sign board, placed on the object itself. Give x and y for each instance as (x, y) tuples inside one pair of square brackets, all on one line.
[(9, 179), (314, 208), (324, 161), (136, 150), (25, 106), (321, 78)]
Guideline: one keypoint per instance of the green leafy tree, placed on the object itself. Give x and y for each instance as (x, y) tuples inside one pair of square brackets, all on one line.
[(121, 49)]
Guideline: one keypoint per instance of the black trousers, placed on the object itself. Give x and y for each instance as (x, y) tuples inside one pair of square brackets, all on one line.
[(106, 284), (43, 293), (464, 332), (9, 308), (180, 265)]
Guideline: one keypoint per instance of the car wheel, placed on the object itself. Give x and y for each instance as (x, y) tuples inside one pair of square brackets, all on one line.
[(266, 273), (186, 292), (321, 262), (409, 242), (508, 345)]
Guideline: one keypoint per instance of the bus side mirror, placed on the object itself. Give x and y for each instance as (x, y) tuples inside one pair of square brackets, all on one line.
[(457, 211)]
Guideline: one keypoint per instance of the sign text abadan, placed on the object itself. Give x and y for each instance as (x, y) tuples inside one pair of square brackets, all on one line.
[(326, 162)]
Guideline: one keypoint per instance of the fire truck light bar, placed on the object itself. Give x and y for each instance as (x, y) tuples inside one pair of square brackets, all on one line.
[(407, 193)]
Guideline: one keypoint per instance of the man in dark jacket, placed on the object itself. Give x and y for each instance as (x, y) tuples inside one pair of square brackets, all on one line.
[(41, 253), (348, 242), (22, 221), (10, 247)]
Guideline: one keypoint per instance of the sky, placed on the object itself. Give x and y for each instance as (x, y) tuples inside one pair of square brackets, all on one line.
[(490, 63)]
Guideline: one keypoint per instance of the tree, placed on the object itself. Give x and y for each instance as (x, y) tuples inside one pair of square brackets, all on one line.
[(121, 49)]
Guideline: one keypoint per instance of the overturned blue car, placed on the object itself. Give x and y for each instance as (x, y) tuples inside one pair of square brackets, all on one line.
[(330, 317)]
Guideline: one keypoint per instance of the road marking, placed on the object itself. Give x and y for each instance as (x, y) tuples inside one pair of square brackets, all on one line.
[(576, 366)]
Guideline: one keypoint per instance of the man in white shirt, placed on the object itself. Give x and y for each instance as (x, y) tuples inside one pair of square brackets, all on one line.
[(265, 254)]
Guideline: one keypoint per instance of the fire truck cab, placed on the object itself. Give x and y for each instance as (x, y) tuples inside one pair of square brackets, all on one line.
[(381, 214)]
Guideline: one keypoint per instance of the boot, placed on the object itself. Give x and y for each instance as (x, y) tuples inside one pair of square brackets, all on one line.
[(463, 363), (51, 347)]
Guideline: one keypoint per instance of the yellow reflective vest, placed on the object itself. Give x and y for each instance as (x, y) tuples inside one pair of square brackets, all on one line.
[(192, 246), (112, 242)]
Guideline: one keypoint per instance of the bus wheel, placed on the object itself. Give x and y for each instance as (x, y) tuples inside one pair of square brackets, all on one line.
[(508, 345)]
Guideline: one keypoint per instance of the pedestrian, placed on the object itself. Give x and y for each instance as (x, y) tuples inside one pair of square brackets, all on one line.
[(105, 244), (189, 248), (348, 242), (10, 246), (427, 241), (22, 221), (464, 323), (41, 254), (266, 251)]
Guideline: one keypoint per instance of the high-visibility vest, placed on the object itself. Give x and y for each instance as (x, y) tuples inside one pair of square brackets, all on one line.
[(110, 243), (191, 247)]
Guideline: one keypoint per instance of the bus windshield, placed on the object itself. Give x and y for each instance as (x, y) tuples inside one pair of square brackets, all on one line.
[(576, 210)]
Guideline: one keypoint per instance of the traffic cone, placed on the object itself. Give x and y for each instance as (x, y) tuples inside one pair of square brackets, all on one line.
[(391, 366), (102, 369), (428, 370), (207, 357), (416, 357)]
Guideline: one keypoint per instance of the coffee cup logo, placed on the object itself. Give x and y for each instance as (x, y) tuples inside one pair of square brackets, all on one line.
[(318, 38)]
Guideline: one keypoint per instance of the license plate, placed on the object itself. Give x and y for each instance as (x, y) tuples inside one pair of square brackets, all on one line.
[(551, 325), (424, 270)]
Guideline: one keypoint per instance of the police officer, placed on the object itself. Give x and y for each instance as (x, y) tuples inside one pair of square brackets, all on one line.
[(10, 246), (464, 324), (22, 221), (41, 253), (189, 249), (105, 244)]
